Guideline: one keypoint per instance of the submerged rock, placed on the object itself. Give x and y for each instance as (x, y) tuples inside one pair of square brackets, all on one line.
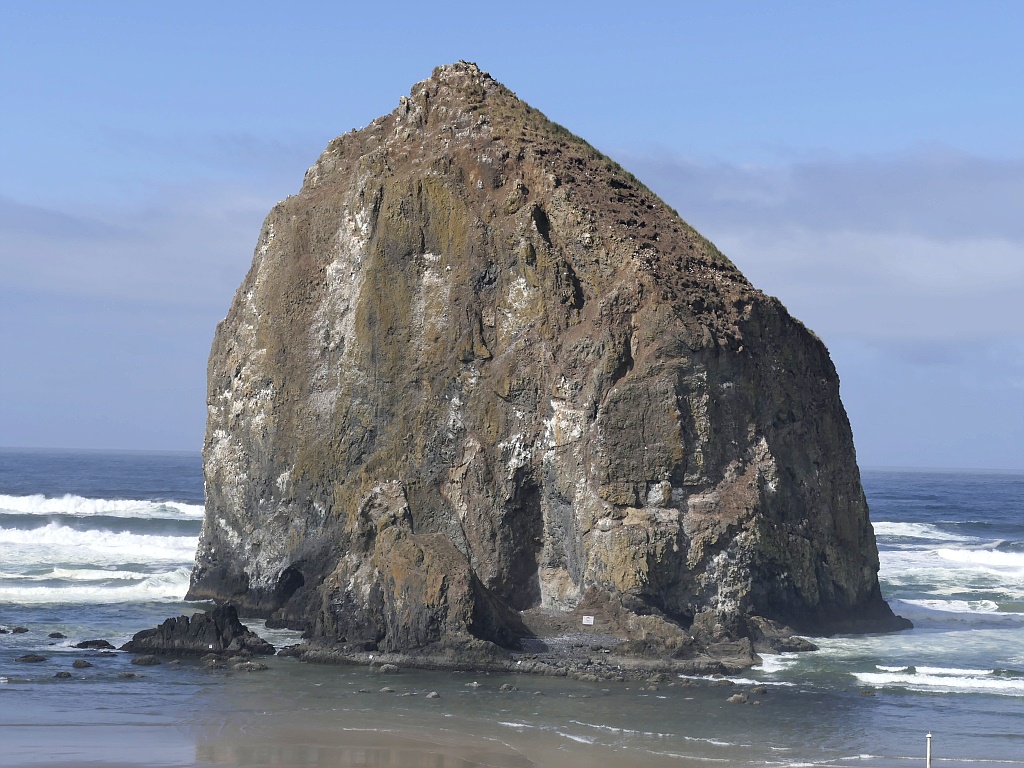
[(477, 368), (218, 630)]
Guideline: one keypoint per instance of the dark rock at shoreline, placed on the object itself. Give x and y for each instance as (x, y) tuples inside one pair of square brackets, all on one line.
[(476, 370), (63, 675), (57, 635), (146, 661), (19, 630), (104, 645), (218, 631), (81, 664), (31, 658)]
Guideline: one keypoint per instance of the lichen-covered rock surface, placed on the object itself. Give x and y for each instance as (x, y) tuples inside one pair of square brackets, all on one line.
[(479, 380)]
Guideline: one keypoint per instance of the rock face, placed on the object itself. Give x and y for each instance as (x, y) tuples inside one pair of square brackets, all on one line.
[(478, 368)]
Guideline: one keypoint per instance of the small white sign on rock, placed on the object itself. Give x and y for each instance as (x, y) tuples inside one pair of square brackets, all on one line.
[(589, 620)]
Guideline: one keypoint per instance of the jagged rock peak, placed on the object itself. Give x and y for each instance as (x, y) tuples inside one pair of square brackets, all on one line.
[(479, 373)]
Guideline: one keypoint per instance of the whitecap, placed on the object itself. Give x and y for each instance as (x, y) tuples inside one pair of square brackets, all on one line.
[(943, 683), (776, 662), (55, 543), (106, 573), (955, 606), (953, 671), (168, 587), (893, 530), (985, 557), (79, 506)]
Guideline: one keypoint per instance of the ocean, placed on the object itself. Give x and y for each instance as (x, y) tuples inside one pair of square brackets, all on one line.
[(100, 545)]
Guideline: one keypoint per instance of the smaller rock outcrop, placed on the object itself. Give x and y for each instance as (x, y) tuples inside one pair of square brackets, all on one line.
[(216, 631), (94, 645)]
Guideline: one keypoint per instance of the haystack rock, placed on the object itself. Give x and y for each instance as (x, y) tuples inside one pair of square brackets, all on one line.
[(479, 374)]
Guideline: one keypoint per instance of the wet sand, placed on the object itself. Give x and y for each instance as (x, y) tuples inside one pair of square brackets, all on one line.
[(319, 716), (239, 745)]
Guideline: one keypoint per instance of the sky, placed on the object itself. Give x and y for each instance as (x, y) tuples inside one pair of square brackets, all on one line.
[(864, 162)]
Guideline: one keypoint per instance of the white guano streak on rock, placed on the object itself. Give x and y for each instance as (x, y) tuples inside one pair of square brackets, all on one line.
[(331, 331), (516, 453), (430, 312), (562, 436), (517, 313), (564, 426), (239, 415)]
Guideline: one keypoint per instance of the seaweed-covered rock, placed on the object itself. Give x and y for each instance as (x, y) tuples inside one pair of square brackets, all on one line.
[(477, 368)]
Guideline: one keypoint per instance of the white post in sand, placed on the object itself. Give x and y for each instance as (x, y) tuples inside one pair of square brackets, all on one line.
[(928, 752)]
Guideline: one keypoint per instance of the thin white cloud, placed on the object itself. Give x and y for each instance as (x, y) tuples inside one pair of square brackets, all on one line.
[(184, 245), (926, 246)]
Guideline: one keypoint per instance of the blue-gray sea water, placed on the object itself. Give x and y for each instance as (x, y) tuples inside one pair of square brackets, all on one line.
[(100, 545)]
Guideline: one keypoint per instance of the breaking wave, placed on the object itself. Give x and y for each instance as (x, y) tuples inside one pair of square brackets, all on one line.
[(79, 506)]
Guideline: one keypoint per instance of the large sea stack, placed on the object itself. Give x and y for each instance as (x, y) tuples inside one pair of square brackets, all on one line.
[(479, 373)]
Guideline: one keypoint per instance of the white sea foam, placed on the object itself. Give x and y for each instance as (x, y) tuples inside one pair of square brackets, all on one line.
[(737, 680), (59, 544), (956, 572), (990, 558), (79, 506), (613, 729), (955, 606), (964, 613), (574, 737), (925, 531), (944, 680), (776, 662), (162, 587), (712, 742), (953, 671), (77, 574)]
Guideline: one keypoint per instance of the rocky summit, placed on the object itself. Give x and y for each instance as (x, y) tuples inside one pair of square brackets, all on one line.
[(480, 383)]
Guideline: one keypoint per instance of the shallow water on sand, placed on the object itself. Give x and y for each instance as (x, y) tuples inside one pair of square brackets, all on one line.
[(315, 715)]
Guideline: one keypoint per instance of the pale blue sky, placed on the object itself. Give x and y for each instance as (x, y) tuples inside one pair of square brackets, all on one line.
[(862, 161)]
